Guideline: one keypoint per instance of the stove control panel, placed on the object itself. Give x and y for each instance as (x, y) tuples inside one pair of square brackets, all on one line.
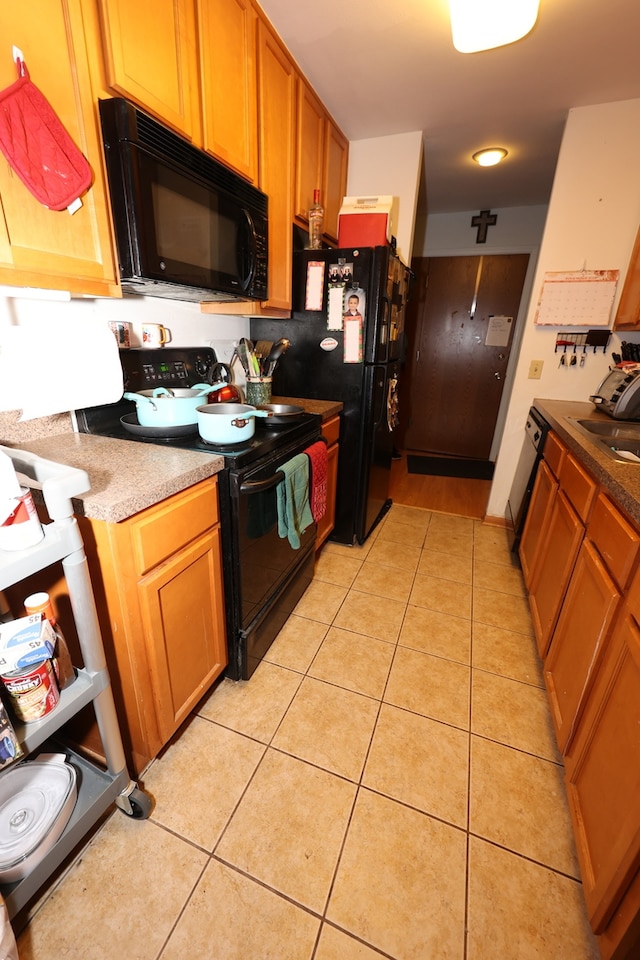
[(167, 366)]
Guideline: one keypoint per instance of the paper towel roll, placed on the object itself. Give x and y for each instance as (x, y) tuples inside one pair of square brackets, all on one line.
[(48, 368)]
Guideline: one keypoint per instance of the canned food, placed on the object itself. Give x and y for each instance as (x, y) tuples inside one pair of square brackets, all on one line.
[(33, 691)]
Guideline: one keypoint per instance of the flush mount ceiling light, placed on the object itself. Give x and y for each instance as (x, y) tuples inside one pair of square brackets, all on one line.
[(490, 156), (484, 24)]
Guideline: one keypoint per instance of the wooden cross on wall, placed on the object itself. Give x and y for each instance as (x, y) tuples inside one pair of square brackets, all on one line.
[(483, 221)]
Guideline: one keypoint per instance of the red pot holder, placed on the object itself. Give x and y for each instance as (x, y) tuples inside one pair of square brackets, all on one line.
[(37, 146)]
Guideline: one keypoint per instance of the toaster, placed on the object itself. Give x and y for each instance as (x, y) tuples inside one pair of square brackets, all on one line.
[(619, 393)]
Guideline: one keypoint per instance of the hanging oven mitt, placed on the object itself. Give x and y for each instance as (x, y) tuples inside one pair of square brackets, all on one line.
[(38, 148)]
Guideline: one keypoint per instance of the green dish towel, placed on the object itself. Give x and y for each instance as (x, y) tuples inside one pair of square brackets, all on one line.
[(294, 512)]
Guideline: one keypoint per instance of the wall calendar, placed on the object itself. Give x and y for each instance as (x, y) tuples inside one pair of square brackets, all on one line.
[(581, 298)]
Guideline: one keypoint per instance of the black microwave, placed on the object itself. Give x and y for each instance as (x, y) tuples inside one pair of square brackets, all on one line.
[(186, 226)]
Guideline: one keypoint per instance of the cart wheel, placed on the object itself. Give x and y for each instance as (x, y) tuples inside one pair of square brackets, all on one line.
[(139, 803)]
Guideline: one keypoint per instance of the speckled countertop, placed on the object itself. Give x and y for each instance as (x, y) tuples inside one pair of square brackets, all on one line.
[(621, 480), (125, 476)]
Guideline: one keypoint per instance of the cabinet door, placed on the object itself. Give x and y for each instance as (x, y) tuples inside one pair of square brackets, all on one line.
[(151, 57), (276, 121), (554, 566), (336, 158), (628, 312), (41, 247), (182, 608), (538, 515), (229, 93), (587, 615), (309, 150), (602, 772)]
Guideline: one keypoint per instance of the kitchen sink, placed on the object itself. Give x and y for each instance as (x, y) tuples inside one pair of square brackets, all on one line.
[(619, 439)]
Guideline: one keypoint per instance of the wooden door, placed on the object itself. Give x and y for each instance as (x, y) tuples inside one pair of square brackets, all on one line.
[(309, 150), (41, 247), (182, 608), (336, 157), (150, 52), (229, 89), (276, 120), (602, 775), (538, 517), (456, 374), (583, 627), (553, 568)]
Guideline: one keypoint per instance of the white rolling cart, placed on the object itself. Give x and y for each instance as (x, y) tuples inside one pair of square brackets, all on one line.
[(98, 788)]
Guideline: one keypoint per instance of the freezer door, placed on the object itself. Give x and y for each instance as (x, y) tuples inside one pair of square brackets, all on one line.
[(375, 479)]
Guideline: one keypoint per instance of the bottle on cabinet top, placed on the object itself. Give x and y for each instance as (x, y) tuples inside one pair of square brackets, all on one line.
[(316, 222)]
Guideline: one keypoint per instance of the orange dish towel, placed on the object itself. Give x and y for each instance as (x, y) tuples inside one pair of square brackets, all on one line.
[(317, 454)]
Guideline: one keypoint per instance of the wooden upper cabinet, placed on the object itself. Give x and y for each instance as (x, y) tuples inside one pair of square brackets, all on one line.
[(276, 121), (336, 158), (628, 312), (227, 31), (41, 247), (151, 58), (310, 136)]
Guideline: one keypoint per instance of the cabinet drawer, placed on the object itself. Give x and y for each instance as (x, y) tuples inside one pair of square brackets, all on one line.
[(616, 540), (163, 529), (331, 430), (578, 485), (554, 451)]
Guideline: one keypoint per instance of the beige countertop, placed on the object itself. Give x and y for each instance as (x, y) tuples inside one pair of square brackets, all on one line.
[(621, 480), (324, 408)]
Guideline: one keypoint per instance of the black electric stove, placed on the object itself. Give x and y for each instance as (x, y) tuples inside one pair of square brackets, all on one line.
[(146, 369), (264, 575)]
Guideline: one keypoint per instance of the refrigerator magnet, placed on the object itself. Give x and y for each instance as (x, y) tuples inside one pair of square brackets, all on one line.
[(353, 339), (315, 285), (334, 308)]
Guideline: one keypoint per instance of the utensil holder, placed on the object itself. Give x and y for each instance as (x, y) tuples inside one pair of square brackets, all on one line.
[(258, 390)]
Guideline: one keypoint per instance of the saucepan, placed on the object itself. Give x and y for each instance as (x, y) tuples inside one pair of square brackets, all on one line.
[(171, 407), (227, 422)]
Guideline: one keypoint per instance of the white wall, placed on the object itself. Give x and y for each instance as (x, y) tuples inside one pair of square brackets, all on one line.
[(58, 355), (389, 166), (593, 217)]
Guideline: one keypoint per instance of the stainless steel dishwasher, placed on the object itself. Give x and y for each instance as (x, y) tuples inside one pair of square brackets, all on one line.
[(536, 430)]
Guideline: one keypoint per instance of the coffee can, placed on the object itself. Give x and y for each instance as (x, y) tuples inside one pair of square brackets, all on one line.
[(33, 691)]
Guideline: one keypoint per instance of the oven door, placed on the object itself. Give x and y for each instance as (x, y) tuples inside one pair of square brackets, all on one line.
[(265, 575)]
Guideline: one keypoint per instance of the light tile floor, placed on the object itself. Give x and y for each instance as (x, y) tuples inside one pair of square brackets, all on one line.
[(386, 785)]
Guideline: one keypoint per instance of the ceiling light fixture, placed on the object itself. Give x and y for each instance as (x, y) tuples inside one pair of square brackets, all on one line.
[(490, 156), (485, 24)]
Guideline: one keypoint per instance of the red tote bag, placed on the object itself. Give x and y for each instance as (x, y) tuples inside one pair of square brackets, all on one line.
[(38, 147)]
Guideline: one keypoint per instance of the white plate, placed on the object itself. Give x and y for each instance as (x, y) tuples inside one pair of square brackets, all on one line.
[(36, 801)]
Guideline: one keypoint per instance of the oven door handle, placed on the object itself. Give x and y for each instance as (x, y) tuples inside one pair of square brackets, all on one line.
[(257, 486)]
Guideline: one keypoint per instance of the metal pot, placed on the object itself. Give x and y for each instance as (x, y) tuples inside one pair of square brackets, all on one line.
[(281, 414), (227, 422), (175, 407)]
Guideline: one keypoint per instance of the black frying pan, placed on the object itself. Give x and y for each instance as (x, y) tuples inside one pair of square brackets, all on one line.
[(130, 423)]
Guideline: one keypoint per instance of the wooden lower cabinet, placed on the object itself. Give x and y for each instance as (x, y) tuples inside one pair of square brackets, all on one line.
[(602, 771), (553, 569), (158, 583), (583, 627), (538, 516), (331, 433)]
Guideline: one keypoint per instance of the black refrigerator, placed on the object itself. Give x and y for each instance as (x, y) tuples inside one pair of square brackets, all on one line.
[(347, 341)]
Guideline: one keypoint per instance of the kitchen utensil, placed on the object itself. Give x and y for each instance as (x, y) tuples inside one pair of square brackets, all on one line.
[(36, 802), (225, 423), (228, 393), (279, 348), (243, 356), (131, 424), (280, 414), (155, 335), (170, 408), (254, 366)]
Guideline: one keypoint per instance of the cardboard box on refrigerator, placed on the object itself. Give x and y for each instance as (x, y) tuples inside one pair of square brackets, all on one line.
[(366, 221)]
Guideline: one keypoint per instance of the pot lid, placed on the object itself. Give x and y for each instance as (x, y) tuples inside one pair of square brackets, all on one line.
[(32, 797)]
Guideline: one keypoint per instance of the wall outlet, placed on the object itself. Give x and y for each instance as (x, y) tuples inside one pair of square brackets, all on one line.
[(535, 369)]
